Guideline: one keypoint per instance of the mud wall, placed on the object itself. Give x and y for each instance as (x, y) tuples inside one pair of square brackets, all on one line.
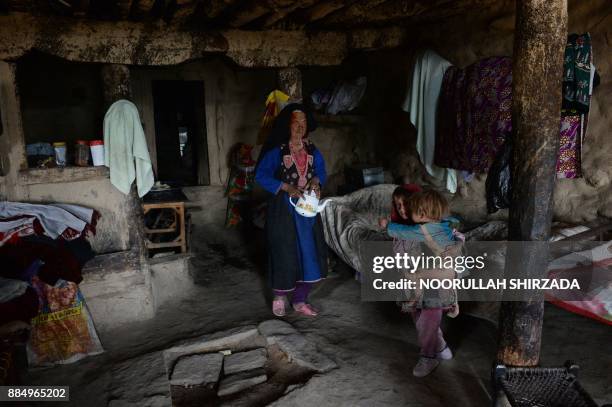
[(85, 186), (234, 103)]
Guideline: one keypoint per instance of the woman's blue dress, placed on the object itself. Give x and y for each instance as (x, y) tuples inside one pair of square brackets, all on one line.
[(267, 175)]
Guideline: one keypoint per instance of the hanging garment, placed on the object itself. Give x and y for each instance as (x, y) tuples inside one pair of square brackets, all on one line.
[(421, 102), (568, 161), (498, 182), (474, 114), (578, 73), (125, 149), (240, 185)]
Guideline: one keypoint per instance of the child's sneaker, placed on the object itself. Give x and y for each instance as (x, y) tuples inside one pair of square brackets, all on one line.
[(444, 354), (425, 366)]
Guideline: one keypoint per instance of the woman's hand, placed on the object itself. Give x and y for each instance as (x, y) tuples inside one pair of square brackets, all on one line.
[(383, 222), (291, 190), (314, 185)]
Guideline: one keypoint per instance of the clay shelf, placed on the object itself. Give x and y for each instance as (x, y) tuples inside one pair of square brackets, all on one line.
[(66, 174)]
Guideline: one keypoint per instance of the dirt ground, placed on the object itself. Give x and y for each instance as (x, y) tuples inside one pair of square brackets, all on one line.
[(373, 344)]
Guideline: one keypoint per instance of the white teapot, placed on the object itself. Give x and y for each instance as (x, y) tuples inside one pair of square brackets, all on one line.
[(308, 204)]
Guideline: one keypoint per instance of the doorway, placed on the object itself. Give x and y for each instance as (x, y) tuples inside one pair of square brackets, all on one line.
[(180, 132)]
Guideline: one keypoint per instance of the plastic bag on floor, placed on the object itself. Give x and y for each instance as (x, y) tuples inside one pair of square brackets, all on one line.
[(498, 180), (63, 332)]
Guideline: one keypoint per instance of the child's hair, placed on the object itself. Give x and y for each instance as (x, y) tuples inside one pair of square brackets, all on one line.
[(401, 192), (429, 203)]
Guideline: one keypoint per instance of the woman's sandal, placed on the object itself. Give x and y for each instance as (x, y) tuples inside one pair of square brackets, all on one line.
[(305, 309), (278, 307)]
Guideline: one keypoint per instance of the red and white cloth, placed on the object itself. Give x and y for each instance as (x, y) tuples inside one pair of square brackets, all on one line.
[(69, 222), (591, 268)]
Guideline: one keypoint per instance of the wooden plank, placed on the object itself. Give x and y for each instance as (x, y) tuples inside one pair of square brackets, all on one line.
[(34, 176), (182, 237), (588, 234), (153, 231), (539, 45)]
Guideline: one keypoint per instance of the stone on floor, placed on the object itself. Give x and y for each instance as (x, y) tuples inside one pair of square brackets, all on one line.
[(241, 381), (244, 361), (303, 352), (274, 327), (236, 339), (197, 370)]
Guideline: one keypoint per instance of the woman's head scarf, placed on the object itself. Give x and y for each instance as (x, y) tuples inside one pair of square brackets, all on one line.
[(281, 130)]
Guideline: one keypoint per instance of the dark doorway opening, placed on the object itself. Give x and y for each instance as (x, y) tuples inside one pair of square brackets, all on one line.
[(180, 132)]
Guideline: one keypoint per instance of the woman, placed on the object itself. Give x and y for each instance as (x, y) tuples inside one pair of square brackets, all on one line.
[(289, 165)]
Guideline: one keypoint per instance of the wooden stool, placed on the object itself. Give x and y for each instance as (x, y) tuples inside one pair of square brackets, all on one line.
[(178, 226)]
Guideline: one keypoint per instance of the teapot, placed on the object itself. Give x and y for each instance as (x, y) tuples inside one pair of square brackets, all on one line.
[(308, 204)]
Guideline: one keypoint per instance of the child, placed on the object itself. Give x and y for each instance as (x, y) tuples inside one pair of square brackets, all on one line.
[(399, 210), (427, 210)]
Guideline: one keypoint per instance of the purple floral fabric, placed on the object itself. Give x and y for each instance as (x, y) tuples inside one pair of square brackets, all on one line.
[(568, 162), (474, 114)]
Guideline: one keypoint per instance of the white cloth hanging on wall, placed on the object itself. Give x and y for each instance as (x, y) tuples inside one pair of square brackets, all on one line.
[(125, 149), (421, 102)]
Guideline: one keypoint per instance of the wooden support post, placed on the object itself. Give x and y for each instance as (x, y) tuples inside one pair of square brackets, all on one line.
[(12, 137), (116, 81), (289, 80), (539, 44)]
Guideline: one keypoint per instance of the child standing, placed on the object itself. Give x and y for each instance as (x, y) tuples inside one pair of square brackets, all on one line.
[(428, 211)]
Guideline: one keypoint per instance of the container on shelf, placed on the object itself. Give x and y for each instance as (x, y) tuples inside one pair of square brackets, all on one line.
[(60, 153), (97, 152), (81, 153)]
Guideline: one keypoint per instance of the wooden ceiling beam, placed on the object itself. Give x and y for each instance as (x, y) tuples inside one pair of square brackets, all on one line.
[(135, 43), (247, 12), (185, 10), (143, 8), (299, 18), (381, 13), (18, 5), (80, 8), (356, 13), (280, 14), (212, 9), (124, 8)]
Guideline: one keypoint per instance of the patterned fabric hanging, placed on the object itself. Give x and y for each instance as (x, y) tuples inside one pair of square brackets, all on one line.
[(569, 162), (274, 104), (474, 114), (240, 184), (577, 78)]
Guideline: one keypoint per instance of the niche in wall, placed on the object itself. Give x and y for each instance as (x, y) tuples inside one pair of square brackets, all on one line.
[(60, 100), (326, 78)]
